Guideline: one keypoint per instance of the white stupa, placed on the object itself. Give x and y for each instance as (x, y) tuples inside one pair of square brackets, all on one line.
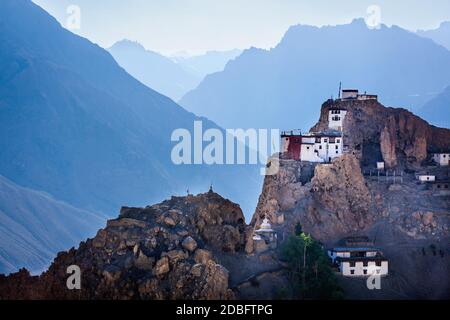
[(264, 237), (265, 227)]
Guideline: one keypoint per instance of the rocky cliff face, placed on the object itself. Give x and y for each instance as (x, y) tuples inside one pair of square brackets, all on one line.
[(165, 251), (408, 220), (339, 188), (377, 133), (328, 200)]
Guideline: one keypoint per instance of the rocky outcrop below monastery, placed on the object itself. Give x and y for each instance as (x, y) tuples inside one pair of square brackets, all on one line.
[(334, 202)]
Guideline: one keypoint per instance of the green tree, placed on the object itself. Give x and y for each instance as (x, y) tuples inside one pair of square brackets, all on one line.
[(310, 273)]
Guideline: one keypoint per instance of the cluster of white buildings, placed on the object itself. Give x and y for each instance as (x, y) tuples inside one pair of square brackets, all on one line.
[(440, 159), (321, 146), (326, 145)]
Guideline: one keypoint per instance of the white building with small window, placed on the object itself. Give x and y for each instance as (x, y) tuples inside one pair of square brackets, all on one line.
[(442, 159), (321, 146), (353, 94), (336, 118), (359, 261), (426, 178), (349, 94)]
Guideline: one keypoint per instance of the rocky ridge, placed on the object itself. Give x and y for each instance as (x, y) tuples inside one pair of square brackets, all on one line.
[(164, 251)]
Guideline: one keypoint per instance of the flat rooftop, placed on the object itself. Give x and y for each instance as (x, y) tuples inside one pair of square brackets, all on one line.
[(363, 259), (353, 249)]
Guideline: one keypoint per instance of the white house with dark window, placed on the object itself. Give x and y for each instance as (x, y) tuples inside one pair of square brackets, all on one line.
[(336, 118), (442, 159), (359, 261), (426, 178), (321, 146)]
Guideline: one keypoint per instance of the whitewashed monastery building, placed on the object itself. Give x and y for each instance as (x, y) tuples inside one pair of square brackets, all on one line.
[(359, 259), (326, 145), (321, 146)]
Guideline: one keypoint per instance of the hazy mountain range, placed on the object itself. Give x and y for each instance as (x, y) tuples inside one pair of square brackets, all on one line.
[(34, 227), (440, 35), (171, 76), (283, 87), (74, 124), (154, 70), (437, 110), (210, 62)]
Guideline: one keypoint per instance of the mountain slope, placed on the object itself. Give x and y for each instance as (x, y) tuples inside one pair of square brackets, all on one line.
[(439, 35), (153, 69), (437, 110), (281, 87), (34, 227), (210, 62), (76, 125)]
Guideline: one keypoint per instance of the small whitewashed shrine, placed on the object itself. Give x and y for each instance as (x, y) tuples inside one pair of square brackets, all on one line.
[(265, 237), (355, 260)]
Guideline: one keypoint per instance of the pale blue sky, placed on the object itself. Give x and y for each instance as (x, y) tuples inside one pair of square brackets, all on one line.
[(195, 26)]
